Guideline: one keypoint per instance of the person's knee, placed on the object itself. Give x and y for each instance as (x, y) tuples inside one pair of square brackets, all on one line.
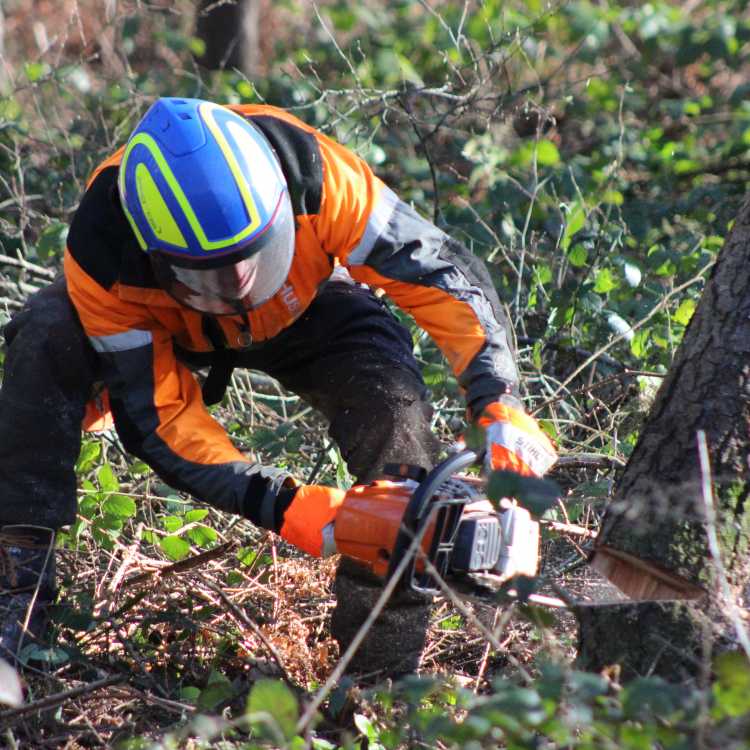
[(389, 420)]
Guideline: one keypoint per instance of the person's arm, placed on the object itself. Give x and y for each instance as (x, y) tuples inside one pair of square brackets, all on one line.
[(158, 408), (385, 243)]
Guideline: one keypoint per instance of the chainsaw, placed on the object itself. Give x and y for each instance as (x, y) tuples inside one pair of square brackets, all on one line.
[(436, 528)]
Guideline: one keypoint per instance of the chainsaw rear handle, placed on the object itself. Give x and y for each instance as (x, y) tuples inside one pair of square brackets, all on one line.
[(417, 513)]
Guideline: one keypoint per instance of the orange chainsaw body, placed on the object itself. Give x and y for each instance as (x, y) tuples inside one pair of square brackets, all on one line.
[(368, 522)]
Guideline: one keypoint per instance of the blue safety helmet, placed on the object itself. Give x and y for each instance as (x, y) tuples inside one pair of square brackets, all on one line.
[(206, 198)]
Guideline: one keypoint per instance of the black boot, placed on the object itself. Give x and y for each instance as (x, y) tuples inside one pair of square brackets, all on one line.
[(27, 586)]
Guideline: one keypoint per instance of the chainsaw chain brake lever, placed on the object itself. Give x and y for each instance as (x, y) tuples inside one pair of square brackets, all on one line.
[(423, 505)]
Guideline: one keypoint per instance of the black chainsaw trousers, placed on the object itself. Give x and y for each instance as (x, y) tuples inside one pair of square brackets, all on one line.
[(347, 356)]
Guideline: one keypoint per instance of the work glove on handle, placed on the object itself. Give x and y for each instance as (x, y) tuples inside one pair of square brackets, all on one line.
[(312, 509), (515, 441)]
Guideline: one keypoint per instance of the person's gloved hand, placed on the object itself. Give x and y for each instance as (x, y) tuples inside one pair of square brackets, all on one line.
[(515, 441), (311, 510)]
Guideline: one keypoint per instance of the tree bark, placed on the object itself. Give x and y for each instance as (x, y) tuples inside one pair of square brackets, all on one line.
[(229, 30), (653, 543)]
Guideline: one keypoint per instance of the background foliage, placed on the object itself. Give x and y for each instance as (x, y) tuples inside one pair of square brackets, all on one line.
[(594, 154)]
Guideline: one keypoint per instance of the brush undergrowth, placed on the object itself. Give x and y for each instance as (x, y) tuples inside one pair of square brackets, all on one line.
[(593, 154)]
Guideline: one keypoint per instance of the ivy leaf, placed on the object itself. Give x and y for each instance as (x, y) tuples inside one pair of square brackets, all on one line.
[(274, 698)]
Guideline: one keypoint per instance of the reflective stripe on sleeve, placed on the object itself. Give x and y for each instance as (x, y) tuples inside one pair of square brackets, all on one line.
[(120, 342), (376, 224)]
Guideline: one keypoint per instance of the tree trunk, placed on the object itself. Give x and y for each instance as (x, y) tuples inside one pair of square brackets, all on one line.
[(654, 540), (229, 30)]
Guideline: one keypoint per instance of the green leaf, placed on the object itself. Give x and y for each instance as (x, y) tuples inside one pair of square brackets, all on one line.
[(218, 690), (203, 536), (366, 728), (454, 622), (174, 547), (247, 555), (639, 343), (120, 505), (605, 281), (274, 698), (172, 523), (547, 154), (50, 655), (578, 255), (732, 687), (190, 694), (614, 197), (107, 479), (197, 514), (536, 495), (90, 452), (34, 70), (647, 697), (52, 240), (110, 522), (587, 687), (575, 222), (684, 312)]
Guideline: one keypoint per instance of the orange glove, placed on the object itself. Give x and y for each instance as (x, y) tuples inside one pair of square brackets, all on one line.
[(515, 442), (311, 510)]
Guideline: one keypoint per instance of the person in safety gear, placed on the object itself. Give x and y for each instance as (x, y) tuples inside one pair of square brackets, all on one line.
[(219, 236)]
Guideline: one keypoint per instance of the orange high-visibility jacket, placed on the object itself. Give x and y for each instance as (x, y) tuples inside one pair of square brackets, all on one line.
[(345, 215)]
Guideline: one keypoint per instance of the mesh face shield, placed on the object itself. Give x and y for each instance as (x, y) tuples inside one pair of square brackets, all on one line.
[(237, 282)]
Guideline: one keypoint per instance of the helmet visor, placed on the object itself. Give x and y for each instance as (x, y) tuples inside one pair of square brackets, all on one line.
[(238, 282)]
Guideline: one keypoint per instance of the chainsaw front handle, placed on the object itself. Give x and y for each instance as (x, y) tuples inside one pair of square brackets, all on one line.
[(416, 517)]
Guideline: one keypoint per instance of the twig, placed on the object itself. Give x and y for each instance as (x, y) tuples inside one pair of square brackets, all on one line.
[(180, 567), (57, 698), (14, 303), (46, 273), (150, 698), (662, 303), (593, 386), (589, 459), (245, 620), (568, 528)]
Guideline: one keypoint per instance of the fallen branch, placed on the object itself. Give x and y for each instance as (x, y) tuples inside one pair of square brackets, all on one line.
[(568, 528), (180, 567), (51, 701), (45, 273)]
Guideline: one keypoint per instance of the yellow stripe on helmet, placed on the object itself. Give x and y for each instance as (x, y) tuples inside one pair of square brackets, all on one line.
[(207, 111), (148, 142), (155, 209)]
